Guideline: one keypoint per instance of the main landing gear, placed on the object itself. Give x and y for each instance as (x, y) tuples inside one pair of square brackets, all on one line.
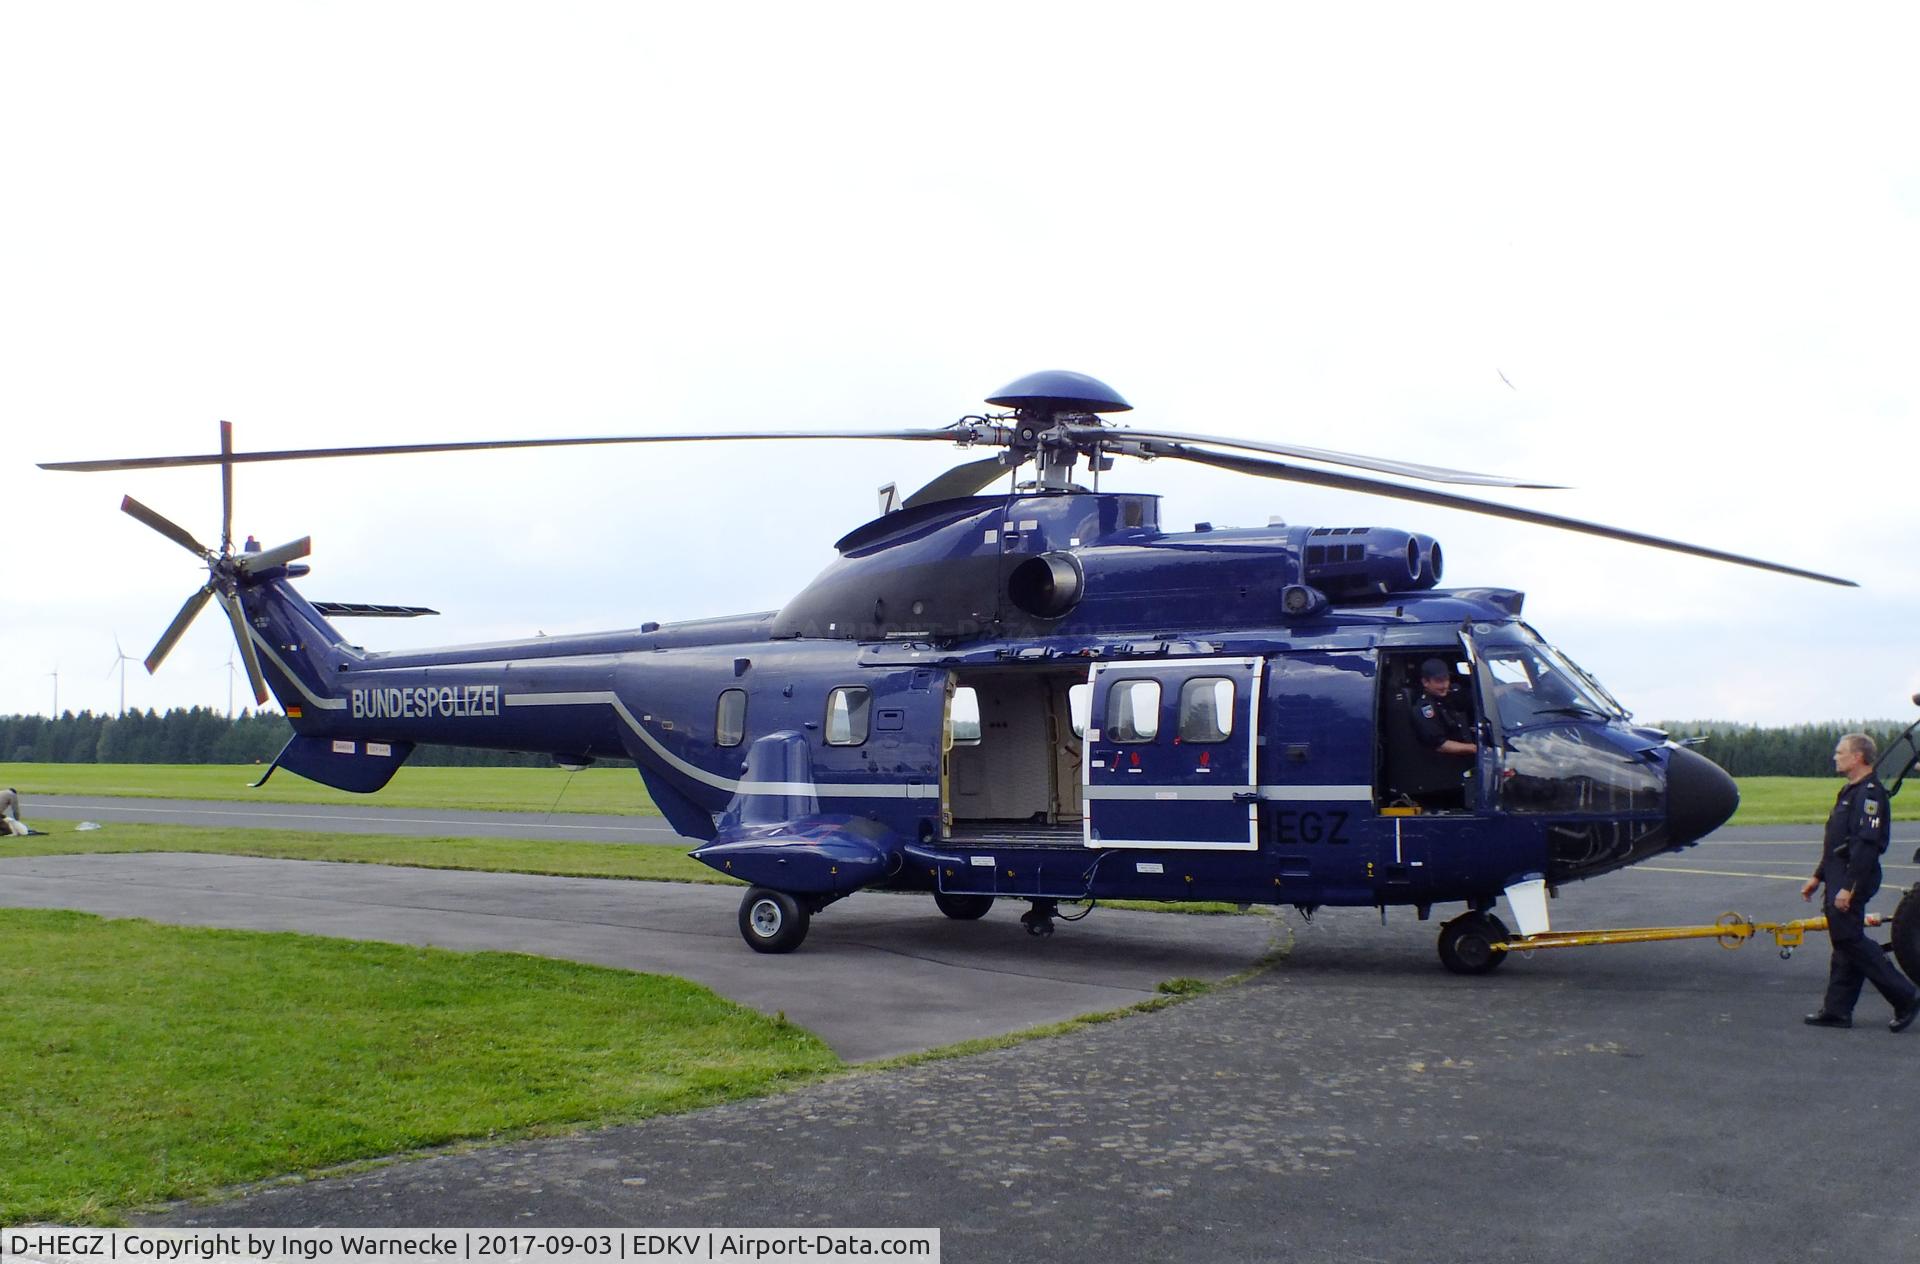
[(1039, 919), (773, 921), (1466, 943)]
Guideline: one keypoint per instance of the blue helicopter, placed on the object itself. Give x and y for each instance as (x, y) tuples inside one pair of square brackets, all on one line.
[(1040, 694)]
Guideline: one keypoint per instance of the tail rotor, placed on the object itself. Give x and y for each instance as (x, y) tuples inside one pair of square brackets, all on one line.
[(226, 571)]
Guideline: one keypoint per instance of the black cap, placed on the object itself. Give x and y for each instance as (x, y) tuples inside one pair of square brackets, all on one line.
[(1433, 669)]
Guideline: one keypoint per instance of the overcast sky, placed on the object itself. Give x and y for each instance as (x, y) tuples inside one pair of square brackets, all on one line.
[(1685, 239)]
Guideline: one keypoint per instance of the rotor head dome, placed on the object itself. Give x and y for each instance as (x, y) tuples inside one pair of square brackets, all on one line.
[(1059, 391)]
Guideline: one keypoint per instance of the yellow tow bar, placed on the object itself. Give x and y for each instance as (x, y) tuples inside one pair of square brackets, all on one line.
[(1731, 931)]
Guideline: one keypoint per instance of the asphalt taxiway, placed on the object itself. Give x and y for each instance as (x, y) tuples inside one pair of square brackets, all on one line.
[(1353, 1101), (369, 818)]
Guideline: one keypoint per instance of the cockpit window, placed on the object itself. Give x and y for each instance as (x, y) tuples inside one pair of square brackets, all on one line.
[(1573, 770), (1530, 683)]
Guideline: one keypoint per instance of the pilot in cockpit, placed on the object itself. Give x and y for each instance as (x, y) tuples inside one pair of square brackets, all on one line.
[(1442, 721)]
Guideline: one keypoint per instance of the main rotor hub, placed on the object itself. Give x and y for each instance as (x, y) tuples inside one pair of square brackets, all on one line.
[(1053, 391)]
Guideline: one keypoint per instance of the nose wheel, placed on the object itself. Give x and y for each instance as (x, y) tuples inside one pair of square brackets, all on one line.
[(1466, 943)]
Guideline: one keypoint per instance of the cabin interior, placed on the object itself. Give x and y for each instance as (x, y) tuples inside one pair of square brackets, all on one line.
[(1011, 771)]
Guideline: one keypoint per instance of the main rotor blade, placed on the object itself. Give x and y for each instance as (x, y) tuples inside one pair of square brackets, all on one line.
[(279, 555), (1447, 500), (177, 629), (226, 487), (961, 480), (1381, 465), (238, 618), (946, 435), (165, 526)]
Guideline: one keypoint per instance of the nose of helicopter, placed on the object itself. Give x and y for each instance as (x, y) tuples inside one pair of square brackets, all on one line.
[(1700, 797)]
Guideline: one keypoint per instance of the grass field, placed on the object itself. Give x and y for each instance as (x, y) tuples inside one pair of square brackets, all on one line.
[(1791, 800), (146, 1062), (601, 791)]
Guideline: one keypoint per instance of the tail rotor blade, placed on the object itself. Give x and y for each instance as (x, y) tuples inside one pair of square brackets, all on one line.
[(279, 555), (177, 629), (226, 487), (238, 618), (164, 525)]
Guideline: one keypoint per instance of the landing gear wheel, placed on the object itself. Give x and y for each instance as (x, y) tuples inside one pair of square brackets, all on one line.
[(773, 921), (1906, 933), (1466, 944), (962, 907)]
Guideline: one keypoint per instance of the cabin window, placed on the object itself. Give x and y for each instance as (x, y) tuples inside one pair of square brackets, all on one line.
[(965, 716), (730, 718), (1133, 711), (1079, 706), (848, 709), (1206, 709)]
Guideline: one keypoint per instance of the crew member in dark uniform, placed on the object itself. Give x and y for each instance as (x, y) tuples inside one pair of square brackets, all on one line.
[(1443, 725), (1857, 832), (1440, 721)]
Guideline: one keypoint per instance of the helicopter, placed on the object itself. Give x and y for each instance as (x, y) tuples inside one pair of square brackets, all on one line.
[(1039, 694)]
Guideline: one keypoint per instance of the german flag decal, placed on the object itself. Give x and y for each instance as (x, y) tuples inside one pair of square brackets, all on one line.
[(293, 713)]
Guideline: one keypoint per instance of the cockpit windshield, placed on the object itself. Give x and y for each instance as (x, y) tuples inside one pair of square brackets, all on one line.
[(1529, 683), (1554, 757)]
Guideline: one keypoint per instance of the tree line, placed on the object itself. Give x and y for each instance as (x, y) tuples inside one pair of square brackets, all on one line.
[(193, 735), (201, 735), (1800, 750)]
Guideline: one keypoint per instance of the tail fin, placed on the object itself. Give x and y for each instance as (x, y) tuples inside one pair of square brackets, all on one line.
[(301, 654)]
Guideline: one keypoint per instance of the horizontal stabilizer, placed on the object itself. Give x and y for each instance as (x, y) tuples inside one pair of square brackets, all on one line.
[(361, 767), (364, 610)]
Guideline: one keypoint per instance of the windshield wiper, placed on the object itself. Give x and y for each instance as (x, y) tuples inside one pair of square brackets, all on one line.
[(1573, 710)]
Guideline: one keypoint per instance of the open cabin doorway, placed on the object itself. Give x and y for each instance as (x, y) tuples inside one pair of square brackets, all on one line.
[(1010, 767)]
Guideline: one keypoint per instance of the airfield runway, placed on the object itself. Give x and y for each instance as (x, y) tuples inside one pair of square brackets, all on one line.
[(1353, 1101), (370, 818)]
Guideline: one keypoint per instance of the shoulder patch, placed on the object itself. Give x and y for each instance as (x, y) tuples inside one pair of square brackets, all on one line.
[(1872, 807), (1427, 711)]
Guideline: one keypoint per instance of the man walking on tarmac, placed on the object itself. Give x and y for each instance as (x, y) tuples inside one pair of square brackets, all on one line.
[(1857, 832)]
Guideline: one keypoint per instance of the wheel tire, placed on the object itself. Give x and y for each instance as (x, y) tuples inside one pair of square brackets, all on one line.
[(773, 921), (961, 907), (1906, 933), (1466, 944)]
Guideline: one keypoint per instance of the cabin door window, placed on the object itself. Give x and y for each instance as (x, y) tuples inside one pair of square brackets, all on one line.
[(1172, 754)]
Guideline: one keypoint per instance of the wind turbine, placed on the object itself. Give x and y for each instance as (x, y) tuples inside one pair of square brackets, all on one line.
[(55, 673), (120, 661)]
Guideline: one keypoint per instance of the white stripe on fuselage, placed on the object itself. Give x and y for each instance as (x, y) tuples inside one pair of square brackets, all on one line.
[(832, 790)]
